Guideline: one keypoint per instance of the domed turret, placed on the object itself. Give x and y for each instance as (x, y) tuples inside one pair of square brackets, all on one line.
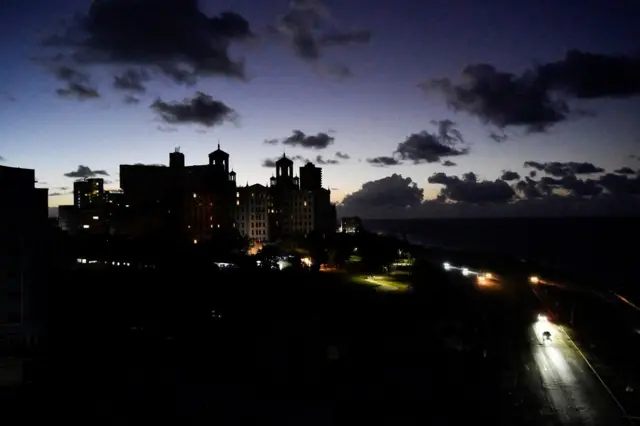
[(219, 159)]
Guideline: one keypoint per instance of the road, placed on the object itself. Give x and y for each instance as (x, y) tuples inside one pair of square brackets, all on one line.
[(567, 389)]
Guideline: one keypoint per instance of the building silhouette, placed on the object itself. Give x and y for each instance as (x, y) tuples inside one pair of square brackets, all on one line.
[(310, 177), (88, 193), (90, 212), (287, 206), (186, 202), (23, 226), (194, 203)]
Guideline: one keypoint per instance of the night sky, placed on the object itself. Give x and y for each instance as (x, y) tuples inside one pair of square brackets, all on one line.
[(397, 100)]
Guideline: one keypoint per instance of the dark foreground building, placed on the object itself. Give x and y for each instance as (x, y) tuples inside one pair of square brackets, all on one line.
[(23, 272)]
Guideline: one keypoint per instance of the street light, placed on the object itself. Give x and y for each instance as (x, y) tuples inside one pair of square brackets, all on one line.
[(534, 279)]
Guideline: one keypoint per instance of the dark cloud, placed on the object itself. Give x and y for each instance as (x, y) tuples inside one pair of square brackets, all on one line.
[(432, 147), (468, 196), (620, 185), (201, 109), (501, 98), (60, 191), (625, 171), (77, 83), (589, 75), (383, 161), (269, 162), (272, 141), (173, 36), (2, 158), (509, 175), (498, 137), (78, 91), (83, 172), (470, 190), (559, 169), (533, 173), (448, 163), (132, 80), (326, 161), (425, 147), (387, 194), (131, 100), (300, 139), (539, 98), (342, 155), (309, 27)]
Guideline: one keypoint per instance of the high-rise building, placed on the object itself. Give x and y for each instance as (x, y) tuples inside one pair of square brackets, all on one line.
[(310, 177), (23, 224), (88, 193)]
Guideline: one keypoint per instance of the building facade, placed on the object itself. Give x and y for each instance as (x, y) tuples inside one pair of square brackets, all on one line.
[(254, 205)]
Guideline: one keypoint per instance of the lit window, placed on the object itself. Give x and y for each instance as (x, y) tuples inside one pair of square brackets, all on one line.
[(305, 204), (237, 202), (195, 241), (195, 195), (237, 195), (96, 218), (85, 226)]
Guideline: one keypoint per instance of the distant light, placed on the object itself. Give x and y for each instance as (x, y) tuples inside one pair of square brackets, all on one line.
[(542, 318), (446, 266), (96, 218), (534, 279), (482, 279), (488, 275), (195, 195), (465, 271), (85, 226), (195, 241)]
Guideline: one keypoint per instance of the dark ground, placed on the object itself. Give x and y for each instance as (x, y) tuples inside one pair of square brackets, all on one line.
[(127, 348)]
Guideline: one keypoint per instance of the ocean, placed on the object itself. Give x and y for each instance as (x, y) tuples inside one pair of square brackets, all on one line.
[(600, 252)]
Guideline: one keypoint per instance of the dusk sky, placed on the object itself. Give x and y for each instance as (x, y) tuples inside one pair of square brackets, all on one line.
[(378, 87)]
